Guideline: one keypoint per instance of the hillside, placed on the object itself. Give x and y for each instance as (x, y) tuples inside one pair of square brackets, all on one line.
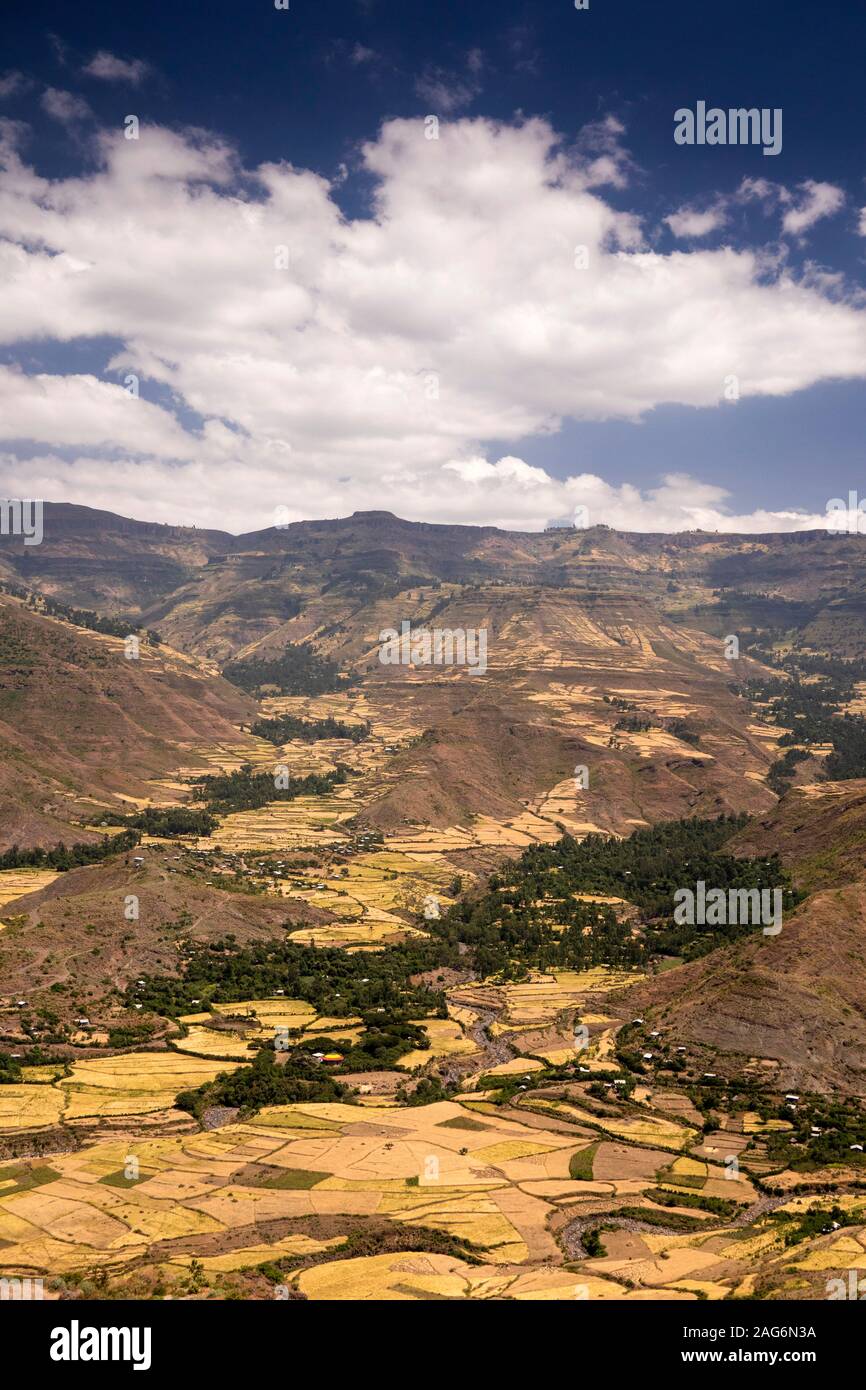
[(577, 629), (195, 585), (798, 999), (69, 945), (819, 832), (81, 726)]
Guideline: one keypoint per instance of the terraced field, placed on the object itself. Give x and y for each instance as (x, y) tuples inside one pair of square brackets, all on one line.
[(527, 1152), (133, 1083), (289, 1185)]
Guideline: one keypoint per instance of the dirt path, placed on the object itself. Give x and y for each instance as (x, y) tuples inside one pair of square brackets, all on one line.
[(759, 1209), (491, 1051), (571, 1236)]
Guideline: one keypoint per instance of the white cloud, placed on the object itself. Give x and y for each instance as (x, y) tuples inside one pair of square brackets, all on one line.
[(507, 470), (693, 223), (762, 191), (83, 412), (510, 494), (817, 200), (449, 91), (64, 106), (398, 349), (12, 83), (678, 503), (522, 496), (811, 202), (601, 155), (112, 69)]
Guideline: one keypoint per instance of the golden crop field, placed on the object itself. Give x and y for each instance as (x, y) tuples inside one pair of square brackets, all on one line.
[(446, 1040), (265, 1017), (28, 1106), (373, 899), (422, 1276), (308, 820), (230, 1198), (15, 883), (131, 1084)]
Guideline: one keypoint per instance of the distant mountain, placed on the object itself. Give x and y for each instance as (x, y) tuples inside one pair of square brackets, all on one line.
[(216, 593), (586, 631), (604, 650)]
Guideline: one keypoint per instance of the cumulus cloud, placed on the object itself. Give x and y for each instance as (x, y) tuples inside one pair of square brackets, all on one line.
[(447, 91), (511, 488), (64, 106), (13, 83), (678, 503), (693, 223), (801, 208), (817, 200), (110, 68), (808, 204), (80, 411), (292, 356)]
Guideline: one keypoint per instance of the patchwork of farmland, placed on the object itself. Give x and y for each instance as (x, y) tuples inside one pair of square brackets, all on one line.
[(521, 1140), (521, 1186), (508, 1187)]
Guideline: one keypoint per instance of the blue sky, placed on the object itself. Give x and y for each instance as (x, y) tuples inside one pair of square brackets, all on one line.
[(306, 398)]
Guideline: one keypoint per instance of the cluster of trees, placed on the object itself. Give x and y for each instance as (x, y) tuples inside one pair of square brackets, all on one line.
[(782, 771), (681, 728), (300, 1079), (719, 1206), (530, 915), (816, 1221), (429, 1091), (382, 1043), (848, 758), (167, 821), (63, 857), (246, 790), (841, 1122), (10, 1070), (80, 617), (328, 978), (297, 671), (640, 724), (810, 704), (633, 724), (288, 726), (130, 1034)]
